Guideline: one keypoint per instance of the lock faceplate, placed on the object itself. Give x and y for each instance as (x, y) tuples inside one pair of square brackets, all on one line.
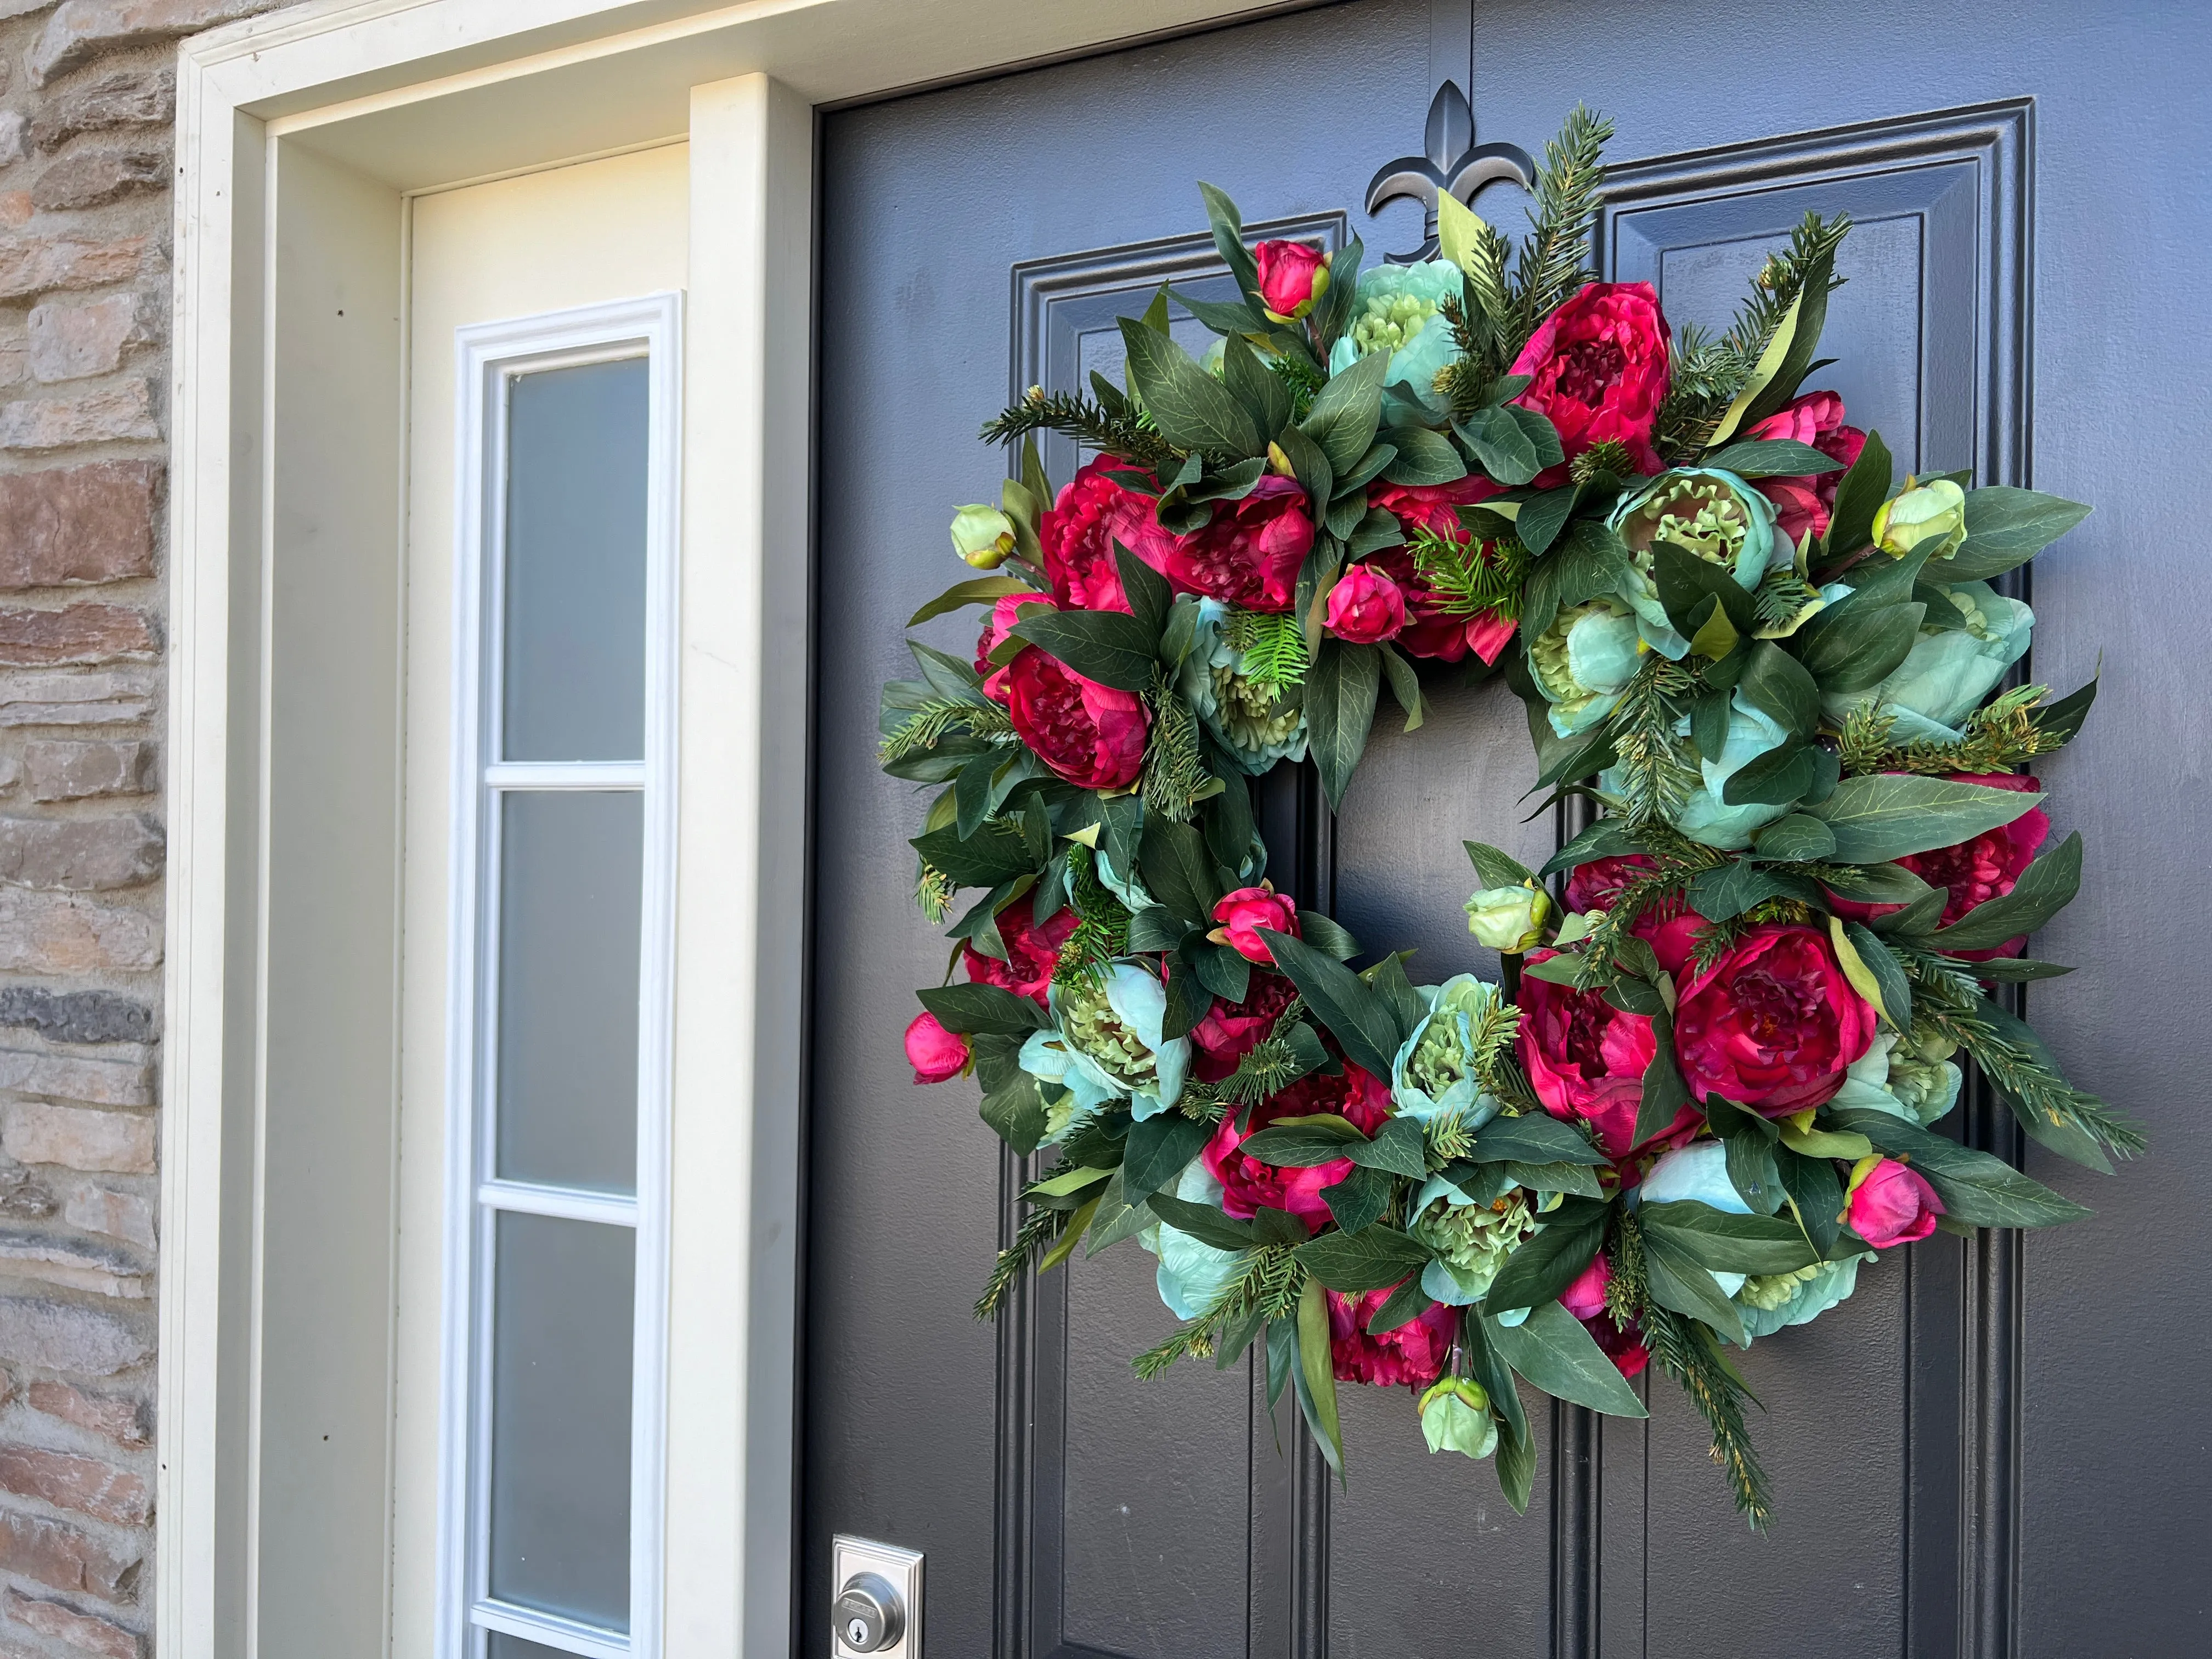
[(878, 1611)]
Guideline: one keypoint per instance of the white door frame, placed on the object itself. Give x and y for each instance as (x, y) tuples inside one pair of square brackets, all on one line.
[(299, 135)]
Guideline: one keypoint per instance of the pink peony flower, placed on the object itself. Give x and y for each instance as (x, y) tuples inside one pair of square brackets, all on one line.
[(1773, 1024), (1078, 532), (1585, 1297), (1090, 734), (1292, 276), (1973, 871), (1032, 952), (1415, 1354), (1242, 913), (1231, 1030), (1803, 504), (1670, 926), (997, 625), (1599, 367), (1889, 1204), (1248, 556), (934, 1052), (1430, 629), (1358, 1096), (1586, 1059)]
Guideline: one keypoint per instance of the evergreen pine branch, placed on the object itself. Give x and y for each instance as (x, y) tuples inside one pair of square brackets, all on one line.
[(1471, 578), (1272, 645), (1039, 1232), (1450, 1140), (1554, 261), (2002, 735), (1688, 1353), (1102, 923), (1782, 278), (1132, 436), (1303, 377), (929, 725), (933, 892), (1782, 594), (1656, 781), (1267, 1283), (1706, 375), (1174, 778)]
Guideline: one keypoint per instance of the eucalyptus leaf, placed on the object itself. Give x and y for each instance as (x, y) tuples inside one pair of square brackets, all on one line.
[(1553, 1350), (1882, 817)]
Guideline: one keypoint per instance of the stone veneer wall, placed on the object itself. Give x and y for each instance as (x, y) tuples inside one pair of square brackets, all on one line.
[(87, 98)]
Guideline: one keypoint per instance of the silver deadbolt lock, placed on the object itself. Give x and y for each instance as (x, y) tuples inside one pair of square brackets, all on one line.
[(871, 1614), (879, 1607)]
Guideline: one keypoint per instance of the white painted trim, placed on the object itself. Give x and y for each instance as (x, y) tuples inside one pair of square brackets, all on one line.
[(414, 96), (547, 1631), (488, 356)]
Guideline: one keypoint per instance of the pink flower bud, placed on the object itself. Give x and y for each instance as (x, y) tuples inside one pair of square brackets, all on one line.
[(935, 1053), (1292, 276), (1365, 606), (1889, 1204), (1243, 912)]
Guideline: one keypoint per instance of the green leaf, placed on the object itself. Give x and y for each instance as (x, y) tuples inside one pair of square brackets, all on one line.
[(1772, 458), (1815, 1194), (978, 1009), (1554, 1258), (1387, 979), (1853, 647), (983, 859), (1325, 933), (1254, 385), (2007, 527), (1882, 817), (1405, 1303), (1223, 317), (1364, 1260), (1777, 683), (1354, 1013), (1684, 580), (983, 590), (1346, 411), (1796, 839), (1106, 646), (1154, 928), (1809, 314), (1016, 1114), (1501, 446), (1542, 517), (1665, 1093), (1574, 1178), (1317, 1374), (1553, 1350), (1752, 1172), (1495, 868), (1178, 871), (1516, 1447), (1369, 467), (1398, 1148), (1674, 1278), (1204, 1222), (1424, 458), (1607, 838), (1308, 465), (1158, 1151), (2063, 720), (1859, 495), (2044, 888), (1192, 411), (1305, 1143), (1976, 1188), (1148, 592), (1340, 701), (1723, 894), (1404, 687), (1533, 1138), (1730, 1244), (1875, 884), (1919, 915), (2016, 970), (1738, 414), (1776, 778), (1359, 1200)]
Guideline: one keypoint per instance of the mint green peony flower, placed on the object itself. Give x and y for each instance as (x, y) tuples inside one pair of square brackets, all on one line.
[(1471, 1241), (1256, 724), (1713, 515), (1108, 1041), (1951, 668), (1191, 1274), (1705, 817), (1916, 1082), (1395, 309), (1584, 660), (1770, 1301), (983, 536), (1434, 1072)]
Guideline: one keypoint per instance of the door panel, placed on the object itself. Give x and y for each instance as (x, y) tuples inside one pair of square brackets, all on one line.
[(1948, 1480)]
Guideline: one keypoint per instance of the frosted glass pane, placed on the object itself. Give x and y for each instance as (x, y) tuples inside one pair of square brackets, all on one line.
[(574, 671), (560, 1431), (570, 898), (503, 1646)]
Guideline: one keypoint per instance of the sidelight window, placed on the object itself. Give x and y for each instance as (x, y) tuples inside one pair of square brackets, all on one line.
[(563, 922)]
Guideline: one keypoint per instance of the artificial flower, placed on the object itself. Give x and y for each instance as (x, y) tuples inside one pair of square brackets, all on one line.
[(1413, 1355), (1092, 735), (1248, 554), (1395, 308), (1433, 1073), (1586, 1059), (934, 1052), (1933, 514), (1257, 721), (1244, 913), (1509, 920), (1955, 662), (1365, 606), (1888, 1203), (1032, 951), (1710, 514), (1583, 661), (1110, 1029), (1973, 871), (1292, 276), (1078, 532), (1231, 1030), (1358, 1096), (983, 536), (1598, 368), (1438, 627), (1456, 1417), (1774, 1024)]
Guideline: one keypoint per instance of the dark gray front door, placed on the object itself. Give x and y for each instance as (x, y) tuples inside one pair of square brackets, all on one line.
[(1994, 1449)]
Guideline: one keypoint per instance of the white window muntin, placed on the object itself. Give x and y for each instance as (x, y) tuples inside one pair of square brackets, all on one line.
[(491, 358)]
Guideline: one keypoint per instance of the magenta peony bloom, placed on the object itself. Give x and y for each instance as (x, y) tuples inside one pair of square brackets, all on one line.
[(1292, 276), (1365, 606), (1585, 1297), (1973, 872), (997, 624), (1090, 734), (1670, 928), (1415, 1354), (1242, 913), (1889, 1204), (1600, 365), (1358, 1096), (1032, 952), (1804, 504), (1231, 1030), (1586, 1059), (1773, 1024), (934, 1052), (1432, 630), (1249, 555), (1078, 532)]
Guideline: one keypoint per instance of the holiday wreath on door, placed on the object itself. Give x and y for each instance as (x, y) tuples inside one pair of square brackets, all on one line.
[(1774, 675)]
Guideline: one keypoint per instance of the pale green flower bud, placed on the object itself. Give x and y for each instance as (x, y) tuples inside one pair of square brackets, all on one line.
[(983, 536), (1510, 919), (1456, 1417), (1934, 511)]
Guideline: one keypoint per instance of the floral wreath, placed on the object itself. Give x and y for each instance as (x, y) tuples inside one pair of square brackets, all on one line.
[(1707, 1097)]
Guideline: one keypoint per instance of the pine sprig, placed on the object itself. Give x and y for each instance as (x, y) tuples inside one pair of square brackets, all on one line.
[(1128, 435), (1272, 645), (1102, 923), (1706, 374), (1174, 778), (936, 719), (1554, 259), (933, 892), (1782, 595), (1782, 278), (1039, 1232), (1267, 1284), (1471, 578), (1689, 1353), (1656, 780), (2001, 736)]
